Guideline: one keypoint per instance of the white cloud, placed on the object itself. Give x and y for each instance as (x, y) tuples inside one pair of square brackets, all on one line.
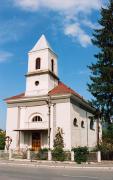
[(5, 56), (31, 5), (75, 31), (89, 24), (70, 12), (64, 5)]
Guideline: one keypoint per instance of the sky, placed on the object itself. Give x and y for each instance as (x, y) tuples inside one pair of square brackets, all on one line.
[(68, 26)]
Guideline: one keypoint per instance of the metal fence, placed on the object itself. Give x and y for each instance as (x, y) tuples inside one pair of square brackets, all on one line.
[(67, 156), (16, 154), (108, 156), (4, 154), (43, 155), (92, 157)]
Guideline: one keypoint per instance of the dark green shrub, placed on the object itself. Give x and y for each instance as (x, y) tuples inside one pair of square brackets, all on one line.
[(2, 139), (80, 154), (58, 154)]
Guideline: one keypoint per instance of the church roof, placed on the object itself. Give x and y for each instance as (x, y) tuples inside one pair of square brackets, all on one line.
[(58, 90), (63, 89), (16, 97), (42, 43)]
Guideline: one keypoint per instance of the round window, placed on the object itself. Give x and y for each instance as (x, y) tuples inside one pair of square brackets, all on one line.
[(36, 83)]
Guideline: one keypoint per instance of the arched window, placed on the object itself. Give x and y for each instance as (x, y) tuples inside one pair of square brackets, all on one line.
[(36, 119), (75, 122), (91, 124), (38, 63), (52, 65), (82, 124)]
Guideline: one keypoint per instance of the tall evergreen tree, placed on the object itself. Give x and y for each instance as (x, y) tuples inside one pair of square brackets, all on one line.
[(58, 141), (101, 86)]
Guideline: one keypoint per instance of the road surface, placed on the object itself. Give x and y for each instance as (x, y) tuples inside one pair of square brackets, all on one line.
[(34, 173)]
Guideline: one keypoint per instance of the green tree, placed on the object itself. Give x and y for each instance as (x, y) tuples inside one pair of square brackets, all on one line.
[(2, 139), (106, 145), (58, 152), (58, 141), (101, 86)]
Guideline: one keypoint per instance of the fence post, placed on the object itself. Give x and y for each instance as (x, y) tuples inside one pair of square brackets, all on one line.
[(49, 155), (72, 155), (98, 156), (10, 154), (28, 154)]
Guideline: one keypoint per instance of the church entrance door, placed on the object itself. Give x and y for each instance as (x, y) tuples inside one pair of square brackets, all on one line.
[(36, 141)]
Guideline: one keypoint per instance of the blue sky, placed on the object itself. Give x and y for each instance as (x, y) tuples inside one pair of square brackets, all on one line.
[(68, 26)]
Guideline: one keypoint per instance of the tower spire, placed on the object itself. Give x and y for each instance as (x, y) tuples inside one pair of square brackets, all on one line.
[(42, 69), (42, 43)]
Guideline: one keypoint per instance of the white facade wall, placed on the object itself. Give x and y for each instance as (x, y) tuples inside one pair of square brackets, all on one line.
[(27, 113), (63, 121), (22, 119), (11, 124), (43, 55), (82, 136), (46, 56), (50, 57), (46, 81), (42, 88)]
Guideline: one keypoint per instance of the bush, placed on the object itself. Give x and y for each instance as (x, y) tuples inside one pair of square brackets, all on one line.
[(2, 140), (80, 154), (58, 154), (106, 144)]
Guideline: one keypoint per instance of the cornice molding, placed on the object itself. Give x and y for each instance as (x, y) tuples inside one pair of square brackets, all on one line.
[(40, 72)]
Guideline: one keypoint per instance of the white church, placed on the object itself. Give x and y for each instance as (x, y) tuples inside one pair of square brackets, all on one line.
[(34, 116)]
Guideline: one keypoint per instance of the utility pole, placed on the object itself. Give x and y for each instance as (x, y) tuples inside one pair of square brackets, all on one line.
[(98, 131), (87, 130), (49, 118), (97, 116)]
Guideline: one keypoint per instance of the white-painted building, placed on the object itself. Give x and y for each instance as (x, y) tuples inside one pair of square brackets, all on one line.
[(47, 104)]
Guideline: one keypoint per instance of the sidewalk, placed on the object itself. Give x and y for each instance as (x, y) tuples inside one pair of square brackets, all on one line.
[(51, 164)]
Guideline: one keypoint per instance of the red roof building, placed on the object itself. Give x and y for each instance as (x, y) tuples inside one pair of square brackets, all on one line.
[(33, 117)]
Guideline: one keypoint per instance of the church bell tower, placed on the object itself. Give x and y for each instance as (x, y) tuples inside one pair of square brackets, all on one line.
[(42, 75)]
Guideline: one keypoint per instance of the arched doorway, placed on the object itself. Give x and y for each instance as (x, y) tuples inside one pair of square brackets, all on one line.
[(36, 136)]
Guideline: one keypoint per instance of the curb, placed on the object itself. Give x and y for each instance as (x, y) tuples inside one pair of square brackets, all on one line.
[(56, 166)]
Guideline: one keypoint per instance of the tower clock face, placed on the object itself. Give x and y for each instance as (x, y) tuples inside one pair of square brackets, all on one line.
[(36, 83)]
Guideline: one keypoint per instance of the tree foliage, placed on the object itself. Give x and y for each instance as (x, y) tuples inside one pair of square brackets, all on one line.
[(2, 139), (101, 86), (58, 152), (81, 154), (106, 145), (58, 141)]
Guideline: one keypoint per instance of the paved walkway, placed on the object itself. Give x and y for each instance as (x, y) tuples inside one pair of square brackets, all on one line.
[(52, 164)]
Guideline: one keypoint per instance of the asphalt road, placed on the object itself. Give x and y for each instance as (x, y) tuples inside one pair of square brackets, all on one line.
[(32, 173)]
